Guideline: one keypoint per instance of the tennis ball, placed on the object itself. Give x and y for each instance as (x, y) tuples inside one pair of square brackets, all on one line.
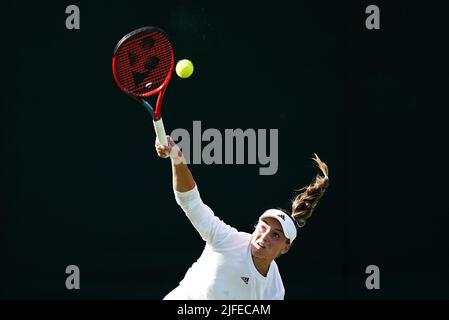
[(184, 68)]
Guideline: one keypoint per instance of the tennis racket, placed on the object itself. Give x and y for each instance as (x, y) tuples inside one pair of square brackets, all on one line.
[(142, 65)]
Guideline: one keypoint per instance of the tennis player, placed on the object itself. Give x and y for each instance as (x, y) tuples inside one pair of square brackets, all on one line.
[(237, 265)]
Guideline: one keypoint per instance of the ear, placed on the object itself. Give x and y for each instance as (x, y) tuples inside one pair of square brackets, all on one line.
[(286, 248)]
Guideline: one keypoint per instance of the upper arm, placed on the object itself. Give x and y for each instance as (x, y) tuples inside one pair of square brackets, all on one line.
[(210, 227)]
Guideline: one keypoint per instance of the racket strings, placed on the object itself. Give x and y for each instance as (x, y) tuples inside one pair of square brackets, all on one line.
[(143, 62)]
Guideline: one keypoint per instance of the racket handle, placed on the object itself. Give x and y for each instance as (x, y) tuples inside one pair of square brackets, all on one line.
[(160, 132)]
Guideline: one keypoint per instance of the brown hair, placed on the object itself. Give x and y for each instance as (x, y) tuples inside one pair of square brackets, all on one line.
[(304, 203)]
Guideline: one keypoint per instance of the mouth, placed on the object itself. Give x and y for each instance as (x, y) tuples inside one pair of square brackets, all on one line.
[(260, 245)]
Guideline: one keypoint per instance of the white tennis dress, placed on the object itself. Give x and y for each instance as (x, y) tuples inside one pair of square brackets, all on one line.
[(225, 270)]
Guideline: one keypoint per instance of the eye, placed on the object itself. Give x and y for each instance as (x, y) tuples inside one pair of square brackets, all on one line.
[(276, 235)]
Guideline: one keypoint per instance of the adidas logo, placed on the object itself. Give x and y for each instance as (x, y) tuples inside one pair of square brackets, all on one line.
[(245, 279), (281, 216)]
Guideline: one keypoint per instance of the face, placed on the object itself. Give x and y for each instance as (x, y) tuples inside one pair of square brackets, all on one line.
[(268, 240)]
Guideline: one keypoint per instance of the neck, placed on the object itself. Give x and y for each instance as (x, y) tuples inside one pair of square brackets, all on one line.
[(262, 265)]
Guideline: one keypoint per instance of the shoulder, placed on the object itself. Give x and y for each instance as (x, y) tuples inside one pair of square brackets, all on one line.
[(277, 285), (276, 274), (242, 238), (235, 242), (275, 267)]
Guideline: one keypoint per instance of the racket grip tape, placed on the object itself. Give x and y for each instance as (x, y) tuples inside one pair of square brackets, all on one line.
[(160, 132)]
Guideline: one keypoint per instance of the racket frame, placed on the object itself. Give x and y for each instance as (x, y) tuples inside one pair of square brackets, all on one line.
[(160, 91)]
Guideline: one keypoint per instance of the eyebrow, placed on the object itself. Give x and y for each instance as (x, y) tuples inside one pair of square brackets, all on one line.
[(276, 229)]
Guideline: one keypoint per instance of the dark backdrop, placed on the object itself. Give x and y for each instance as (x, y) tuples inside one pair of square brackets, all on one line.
[(81, 183)]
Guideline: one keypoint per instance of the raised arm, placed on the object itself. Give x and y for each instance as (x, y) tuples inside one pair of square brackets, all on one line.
[(211, 228), (182, 177)]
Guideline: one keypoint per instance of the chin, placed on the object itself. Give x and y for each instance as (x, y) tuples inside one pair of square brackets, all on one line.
[(258, 251)]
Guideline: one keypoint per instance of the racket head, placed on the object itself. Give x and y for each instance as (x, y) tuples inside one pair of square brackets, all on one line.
[(143, 63)]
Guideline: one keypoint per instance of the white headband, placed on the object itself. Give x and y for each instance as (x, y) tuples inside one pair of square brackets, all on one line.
[(288, 226)]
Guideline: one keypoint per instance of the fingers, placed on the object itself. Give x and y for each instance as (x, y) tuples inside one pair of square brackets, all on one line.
[(165, 151), (162, 151), (171, 143), (169, 140)]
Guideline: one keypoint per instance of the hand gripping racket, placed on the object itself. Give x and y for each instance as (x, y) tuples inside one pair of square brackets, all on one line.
[(142, 65)]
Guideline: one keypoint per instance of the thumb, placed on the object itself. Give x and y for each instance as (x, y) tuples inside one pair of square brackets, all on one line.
[(171, 143)]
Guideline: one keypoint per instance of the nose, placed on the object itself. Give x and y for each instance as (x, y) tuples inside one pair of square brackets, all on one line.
[(264, 235)]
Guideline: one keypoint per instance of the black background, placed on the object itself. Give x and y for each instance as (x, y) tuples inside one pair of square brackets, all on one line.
[(81, 183)]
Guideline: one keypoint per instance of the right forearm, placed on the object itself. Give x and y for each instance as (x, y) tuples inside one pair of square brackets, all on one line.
[(182, 177)]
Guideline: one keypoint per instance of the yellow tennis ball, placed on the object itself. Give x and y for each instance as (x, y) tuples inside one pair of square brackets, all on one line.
[(184, 68)]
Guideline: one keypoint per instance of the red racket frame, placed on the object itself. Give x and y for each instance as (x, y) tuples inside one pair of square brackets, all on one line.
[(156, 112)]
